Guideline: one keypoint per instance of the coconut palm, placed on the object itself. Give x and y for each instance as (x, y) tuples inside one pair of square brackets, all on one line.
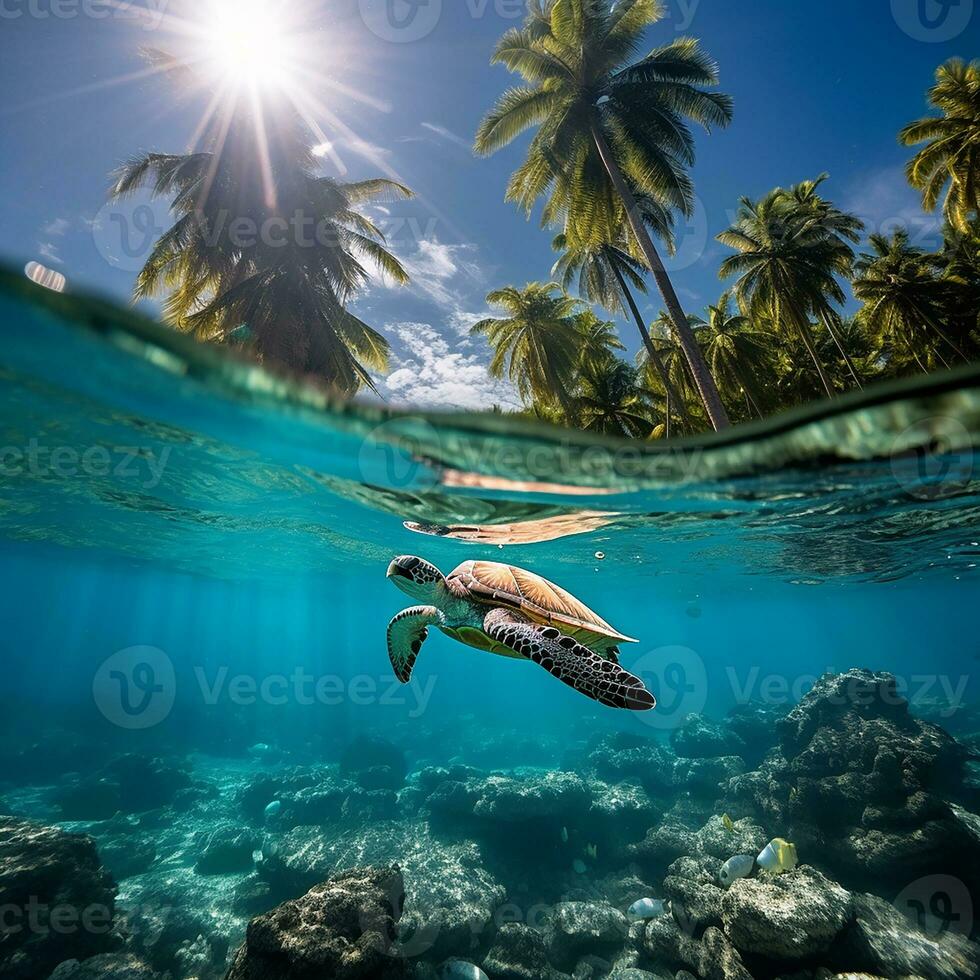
[(230, 259), (786, 267), (609, 128), (597, 341), (960, 261), (905, 302), (950, 160), (612, 402), (535, 342), (739, 354), (679, 394), (604, 273), (841, 230)]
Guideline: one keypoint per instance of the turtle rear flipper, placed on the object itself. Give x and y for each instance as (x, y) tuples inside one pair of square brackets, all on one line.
[(569, 661), (406, 634)]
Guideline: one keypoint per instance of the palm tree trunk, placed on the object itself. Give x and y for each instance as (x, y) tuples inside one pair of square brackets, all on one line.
[(828, 323), (803, 328), (651, 350), (699, 369), (749, 399)]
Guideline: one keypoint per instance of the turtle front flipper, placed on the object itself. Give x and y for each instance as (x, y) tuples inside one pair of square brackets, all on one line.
[(569, 661), (406, 634)]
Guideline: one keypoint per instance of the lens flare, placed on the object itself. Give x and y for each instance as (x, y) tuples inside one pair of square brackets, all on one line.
[(249, 42)]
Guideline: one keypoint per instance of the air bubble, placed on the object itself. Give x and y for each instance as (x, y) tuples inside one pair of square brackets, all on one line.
[(600, 555)]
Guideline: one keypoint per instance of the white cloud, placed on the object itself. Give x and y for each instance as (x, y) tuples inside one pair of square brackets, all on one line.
[(49, 251), (450, 277), (428, 374), (335, 151), (886, 202), (448, 135), (56, 228)]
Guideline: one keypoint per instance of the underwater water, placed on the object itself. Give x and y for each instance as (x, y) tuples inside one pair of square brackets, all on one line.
[(194, 612)]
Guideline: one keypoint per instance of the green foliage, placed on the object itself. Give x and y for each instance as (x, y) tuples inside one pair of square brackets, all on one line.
[(535, 340), (950, 160), (228, 278), (612, 144)]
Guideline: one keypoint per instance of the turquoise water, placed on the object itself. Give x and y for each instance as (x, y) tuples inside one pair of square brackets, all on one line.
[(235, 530)]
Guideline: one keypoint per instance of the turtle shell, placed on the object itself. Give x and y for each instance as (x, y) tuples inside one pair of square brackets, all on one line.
[(494, 584)]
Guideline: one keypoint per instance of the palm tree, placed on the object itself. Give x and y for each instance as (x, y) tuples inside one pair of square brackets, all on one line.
[(231, 261), (597, 341), (739, 354), (535, 342), (960, 260), (951, 159), (841, 230), (611, 401), (905, 301), (679, 393), (609, 130), (604, 273), (786, 267)]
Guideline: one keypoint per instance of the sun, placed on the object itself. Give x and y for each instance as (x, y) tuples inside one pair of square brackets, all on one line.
[(249, 42)]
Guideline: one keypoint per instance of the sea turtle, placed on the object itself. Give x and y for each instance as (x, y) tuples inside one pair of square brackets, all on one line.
[(514, 613)]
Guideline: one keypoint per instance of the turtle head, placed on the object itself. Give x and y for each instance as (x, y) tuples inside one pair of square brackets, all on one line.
[(418, 578)]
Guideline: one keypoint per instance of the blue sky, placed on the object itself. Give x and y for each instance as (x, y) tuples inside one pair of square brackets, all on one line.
[(817, 87)]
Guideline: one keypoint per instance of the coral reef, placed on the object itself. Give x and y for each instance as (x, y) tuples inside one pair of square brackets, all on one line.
[(367, 861), (58, 901)]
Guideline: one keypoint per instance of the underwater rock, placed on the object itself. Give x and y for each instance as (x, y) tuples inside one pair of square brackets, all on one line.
[(54, 888), (866, 785), (712, 957), (706, 774), (127, 856), (556, 795), (586, 927), (692, 886), (670, 840), (343, 928), (634, 973), (755, 725), (374, 763), (698, 737), (624, 756), (790, 917), (451, 895), (106, 966), (518, 953), (226, 850), (369, 806), (128, 784), (161, 928), (620, 815), (263, 788), (624, 886), (453, 799), (321, 803), (882, 940)]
